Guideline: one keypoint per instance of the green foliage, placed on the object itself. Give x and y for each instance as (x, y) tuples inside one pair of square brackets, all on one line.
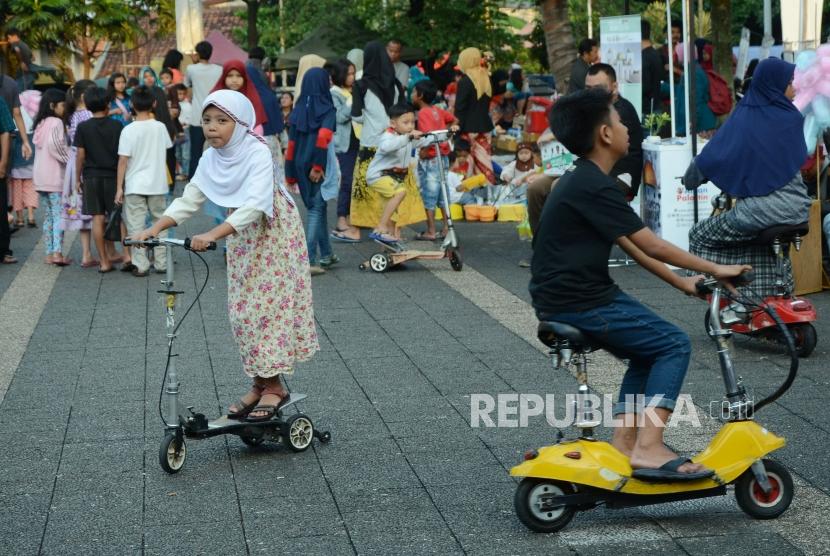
[(439, 25), (655, 121)]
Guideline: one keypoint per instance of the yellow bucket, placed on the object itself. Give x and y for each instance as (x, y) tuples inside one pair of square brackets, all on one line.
[(456, 212), (487, 214), (471, 212), (511, 213)]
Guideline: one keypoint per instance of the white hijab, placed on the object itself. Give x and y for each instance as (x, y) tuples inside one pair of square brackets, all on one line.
[(242, 172)]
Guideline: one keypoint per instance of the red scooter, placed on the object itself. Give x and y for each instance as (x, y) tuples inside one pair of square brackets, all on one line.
[(796, 313)]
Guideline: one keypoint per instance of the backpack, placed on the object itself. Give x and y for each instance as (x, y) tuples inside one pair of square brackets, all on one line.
[(720, 99)]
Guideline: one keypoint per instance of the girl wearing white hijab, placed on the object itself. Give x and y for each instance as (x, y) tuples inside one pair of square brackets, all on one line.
[(269, 287)]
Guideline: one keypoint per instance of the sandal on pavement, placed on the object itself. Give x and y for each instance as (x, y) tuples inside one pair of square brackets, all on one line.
[(270, 410), (63, 261), (8, 259), (129, 267), (388, 239), (91, 264), (423, 236), (668, 472), (340, 235), (244, 409)]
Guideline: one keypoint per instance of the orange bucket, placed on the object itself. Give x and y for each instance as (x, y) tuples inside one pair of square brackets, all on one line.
[(471, 212), (487, 214)]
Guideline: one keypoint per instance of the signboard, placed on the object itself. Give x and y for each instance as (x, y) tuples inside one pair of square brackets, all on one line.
[(621, 47), (555, 158)]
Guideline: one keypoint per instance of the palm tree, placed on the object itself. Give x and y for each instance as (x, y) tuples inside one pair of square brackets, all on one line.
[(559, 40)]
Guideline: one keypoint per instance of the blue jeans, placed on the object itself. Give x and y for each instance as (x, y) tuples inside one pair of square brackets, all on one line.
[(317, 228), (429, 179), (658, 351)]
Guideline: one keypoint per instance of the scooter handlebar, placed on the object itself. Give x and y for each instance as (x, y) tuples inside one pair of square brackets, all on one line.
[(155, 241), (705, 286)]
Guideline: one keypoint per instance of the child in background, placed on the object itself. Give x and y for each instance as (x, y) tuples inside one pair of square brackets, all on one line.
[(183, 146), (390, 168), (96, 168), (24, 196), (431, 118), (141, 182), (119, 99), (72, 202), (166, 77), (235, 77), (517, 174), (51, 155), (306, 161)]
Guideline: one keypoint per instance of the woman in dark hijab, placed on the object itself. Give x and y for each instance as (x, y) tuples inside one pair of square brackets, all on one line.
[(312, 124), (755, 157), (372, 96)]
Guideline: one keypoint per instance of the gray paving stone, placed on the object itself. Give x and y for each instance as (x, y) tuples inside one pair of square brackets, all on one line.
[(738, 544), (204, 537), (324, 545), (409, 531), (22, 521)]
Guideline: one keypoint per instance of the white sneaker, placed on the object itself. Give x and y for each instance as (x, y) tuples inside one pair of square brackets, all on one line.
[(316, 270)]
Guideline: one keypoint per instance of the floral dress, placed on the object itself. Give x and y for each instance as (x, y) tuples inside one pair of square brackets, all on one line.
[(269, 292), (72, 202)]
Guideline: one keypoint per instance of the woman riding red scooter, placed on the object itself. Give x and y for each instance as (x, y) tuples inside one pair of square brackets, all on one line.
[(756, 158)]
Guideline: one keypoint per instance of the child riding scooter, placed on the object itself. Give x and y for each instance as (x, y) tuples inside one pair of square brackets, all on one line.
[(585, 214)]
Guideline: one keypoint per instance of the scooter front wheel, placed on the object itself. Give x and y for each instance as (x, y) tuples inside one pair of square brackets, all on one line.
[(535, 503), (805, 337), (172, 453), (765, 505)]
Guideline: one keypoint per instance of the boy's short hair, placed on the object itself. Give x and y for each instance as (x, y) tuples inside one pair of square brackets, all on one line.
[(204, 49), (96, 99), (462, 145), (575, 118), (398, 110), (256, 53), (180, 87), (607, 69), (132, 82), (586, 45), (427, 90), (645, 30), (142, 99), (167, 71)]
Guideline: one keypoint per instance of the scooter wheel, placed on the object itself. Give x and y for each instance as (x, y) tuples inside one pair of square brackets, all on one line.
[(361, 266), (172, 453), (379, 262), (533, 500), (758, 504), (805, 338), (298, 432), (455, 260), (325, 437)]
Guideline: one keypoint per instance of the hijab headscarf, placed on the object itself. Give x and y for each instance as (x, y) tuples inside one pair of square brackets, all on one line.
[(242, 172), (761, 146), (151, 71), (708, 51), (524, 166), (378, 77), (469, 61), (306, 63), (314, 106), (248, 89), (273, 124), (355, 56)]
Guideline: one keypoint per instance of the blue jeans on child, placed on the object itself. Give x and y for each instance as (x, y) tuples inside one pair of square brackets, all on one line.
[(317, 228), (429, 180), (658, 351)]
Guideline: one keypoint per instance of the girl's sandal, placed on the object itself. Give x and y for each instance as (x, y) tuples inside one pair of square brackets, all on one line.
[(270, 411), (244, 409)]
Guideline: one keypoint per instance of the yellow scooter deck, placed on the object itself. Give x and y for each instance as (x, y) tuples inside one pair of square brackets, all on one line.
[(731, 452)]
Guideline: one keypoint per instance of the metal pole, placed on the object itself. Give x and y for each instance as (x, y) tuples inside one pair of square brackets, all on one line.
[(283, 74), (689, 69), (590, 21), (671, 71)]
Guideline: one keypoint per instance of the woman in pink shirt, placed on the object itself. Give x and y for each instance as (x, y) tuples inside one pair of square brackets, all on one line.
[(51, 156)]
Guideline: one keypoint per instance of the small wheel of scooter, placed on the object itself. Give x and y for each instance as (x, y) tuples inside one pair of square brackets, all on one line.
[(805, 337), (298, 432), (361, 266), (325, 437), (252, 441), (758, 504), (379, 262), (533, 500), (172, 453), (455, 260)]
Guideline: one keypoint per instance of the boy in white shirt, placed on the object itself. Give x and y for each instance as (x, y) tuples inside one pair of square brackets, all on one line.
[(390, 166), (142, 175)]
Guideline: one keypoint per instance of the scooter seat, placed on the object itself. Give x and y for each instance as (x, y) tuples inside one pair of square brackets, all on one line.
[(551, 333), (785, 234)]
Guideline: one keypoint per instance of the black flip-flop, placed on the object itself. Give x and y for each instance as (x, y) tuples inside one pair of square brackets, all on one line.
[(337, 235), (668, 473), (422, 236)]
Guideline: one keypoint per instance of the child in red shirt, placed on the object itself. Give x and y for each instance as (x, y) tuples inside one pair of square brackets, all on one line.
[(431, 118)]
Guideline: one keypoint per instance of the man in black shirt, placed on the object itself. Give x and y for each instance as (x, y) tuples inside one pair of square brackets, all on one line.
[(25, 76), (604, 77), (585, 214), (588, 54), (652, 71)]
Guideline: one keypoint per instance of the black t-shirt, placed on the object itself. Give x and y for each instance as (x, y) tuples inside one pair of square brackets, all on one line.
[(632, 163), (582, 218), (652, 75), (99, 139)]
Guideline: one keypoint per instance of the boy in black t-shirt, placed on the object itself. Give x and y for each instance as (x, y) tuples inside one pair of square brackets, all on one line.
[(584, 215), (97, 142)]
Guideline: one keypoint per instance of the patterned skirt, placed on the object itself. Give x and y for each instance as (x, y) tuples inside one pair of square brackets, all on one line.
[(716, 240), (367, 205)]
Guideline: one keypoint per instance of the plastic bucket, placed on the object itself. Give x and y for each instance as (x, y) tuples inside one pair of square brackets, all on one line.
[(487, 214), (471, 212), (511, 213)]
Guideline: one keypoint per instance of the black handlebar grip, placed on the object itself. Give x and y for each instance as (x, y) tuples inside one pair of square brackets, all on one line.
[(702, 288), (211, 246), (744, 279)]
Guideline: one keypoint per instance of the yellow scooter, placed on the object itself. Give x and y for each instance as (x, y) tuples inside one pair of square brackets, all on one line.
[(578, 475)]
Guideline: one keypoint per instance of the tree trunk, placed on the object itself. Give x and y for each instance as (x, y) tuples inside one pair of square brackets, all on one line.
[(722, 40), (559, 41), (87, 64), (253, 33)]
